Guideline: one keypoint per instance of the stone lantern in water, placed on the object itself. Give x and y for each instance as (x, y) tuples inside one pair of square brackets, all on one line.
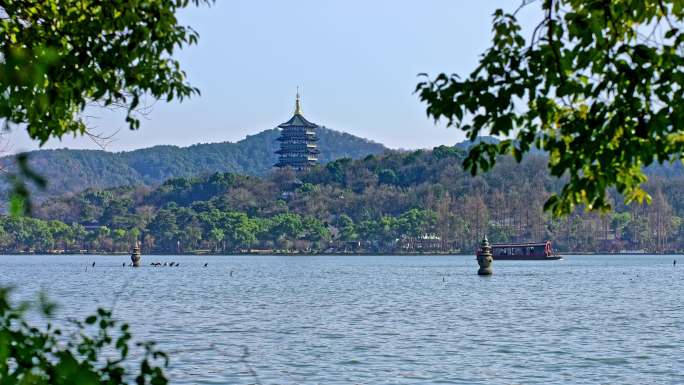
[(484, 258), (135, 257)]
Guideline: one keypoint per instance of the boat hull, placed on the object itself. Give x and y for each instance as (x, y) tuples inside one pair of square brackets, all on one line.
[(526, 258)]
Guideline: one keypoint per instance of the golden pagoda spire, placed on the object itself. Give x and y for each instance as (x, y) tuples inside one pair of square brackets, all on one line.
[(298, 104)]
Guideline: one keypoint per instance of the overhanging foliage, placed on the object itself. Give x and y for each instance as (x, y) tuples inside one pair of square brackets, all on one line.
[(598, 86)]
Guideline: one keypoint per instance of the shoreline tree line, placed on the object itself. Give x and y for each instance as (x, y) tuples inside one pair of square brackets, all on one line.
[(396, 202)]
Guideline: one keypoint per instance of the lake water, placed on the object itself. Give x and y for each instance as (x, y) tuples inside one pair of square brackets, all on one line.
[(385, 319)]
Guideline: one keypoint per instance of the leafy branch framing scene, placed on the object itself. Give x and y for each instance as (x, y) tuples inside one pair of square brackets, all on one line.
[(97, 351), (598, 86), (59, 57)]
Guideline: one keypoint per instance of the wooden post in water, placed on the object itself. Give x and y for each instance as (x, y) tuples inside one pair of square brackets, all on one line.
[(484, 258)]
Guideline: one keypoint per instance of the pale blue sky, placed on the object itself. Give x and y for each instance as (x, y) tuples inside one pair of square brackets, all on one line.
[(355, 62)]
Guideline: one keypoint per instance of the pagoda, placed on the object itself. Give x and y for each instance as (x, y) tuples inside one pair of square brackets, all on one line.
[(297, 141)]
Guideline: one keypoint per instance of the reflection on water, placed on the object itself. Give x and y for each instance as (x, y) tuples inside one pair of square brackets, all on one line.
[(380, 320)]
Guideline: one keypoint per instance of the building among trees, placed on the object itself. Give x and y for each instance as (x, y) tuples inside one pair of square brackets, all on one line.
[(297, 141)]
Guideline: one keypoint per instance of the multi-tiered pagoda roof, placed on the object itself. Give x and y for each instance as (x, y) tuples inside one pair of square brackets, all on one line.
[(297, 141)]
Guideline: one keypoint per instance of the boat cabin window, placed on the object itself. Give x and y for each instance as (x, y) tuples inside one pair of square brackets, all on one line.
[(520, 250)]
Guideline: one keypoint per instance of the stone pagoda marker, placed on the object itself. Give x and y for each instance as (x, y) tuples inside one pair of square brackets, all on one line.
[(135, 257), (484, 258)]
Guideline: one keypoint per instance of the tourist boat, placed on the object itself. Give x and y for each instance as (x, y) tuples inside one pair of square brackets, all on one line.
[(525, 251)]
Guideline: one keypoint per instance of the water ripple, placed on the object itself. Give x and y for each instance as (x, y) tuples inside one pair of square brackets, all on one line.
[(385, 320)]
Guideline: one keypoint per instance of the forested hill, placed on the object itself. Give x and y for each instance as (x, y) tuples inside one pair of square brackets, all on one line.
[(75, 170), (394, 202)]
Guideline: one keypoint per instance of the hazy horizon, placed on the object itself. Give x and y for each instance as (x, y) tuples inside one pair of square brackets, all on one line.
[(356, 64)]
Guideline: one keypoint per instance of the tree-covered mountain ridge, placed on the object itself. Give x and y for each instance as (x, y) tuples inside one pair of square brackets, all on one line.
[(69, 171), (395, 202)]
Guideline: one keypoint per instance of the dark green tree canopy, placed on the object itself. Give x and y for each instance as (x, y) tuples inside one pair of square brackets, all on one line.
[(60, 55), (598, 85)]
